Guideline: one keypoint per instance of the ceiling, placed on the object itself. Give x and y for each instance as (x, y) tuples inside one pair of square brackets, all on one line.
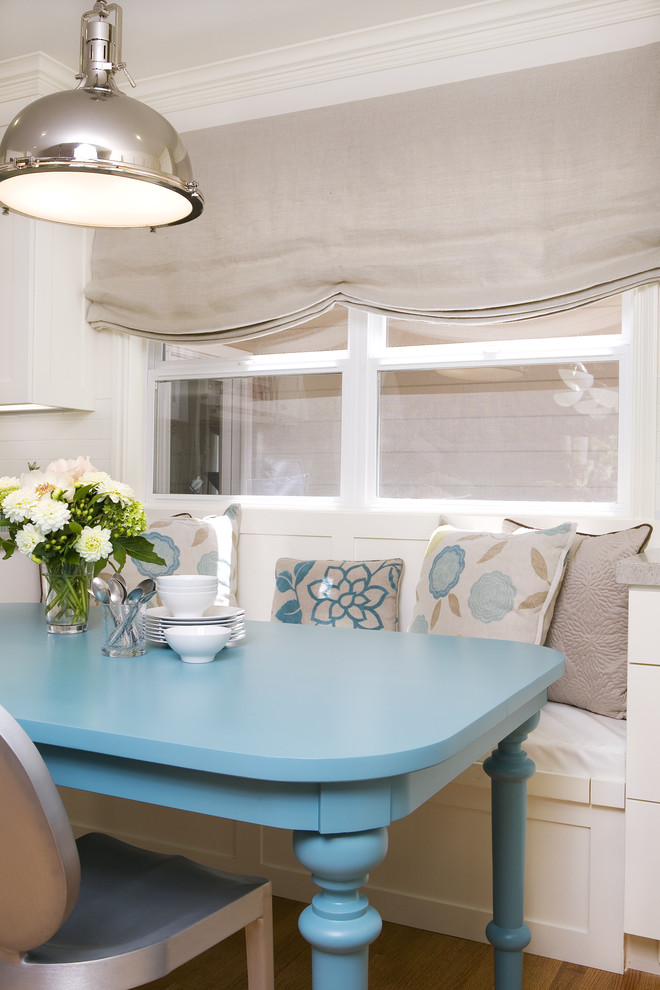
[(161, 37)]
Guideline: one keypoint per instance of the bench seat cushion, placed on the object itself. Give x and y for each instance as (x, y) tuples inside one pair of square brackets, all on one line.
[(578, 743)]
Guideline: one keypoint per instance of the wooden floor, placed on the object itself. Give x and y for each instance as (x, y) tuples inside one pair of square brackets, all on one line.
[(400, 959)]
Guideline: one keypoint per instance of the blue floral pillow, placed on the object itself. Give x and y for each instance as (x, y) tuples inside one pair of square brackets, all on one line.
[(193, 546), (491, 585), (357, 594)]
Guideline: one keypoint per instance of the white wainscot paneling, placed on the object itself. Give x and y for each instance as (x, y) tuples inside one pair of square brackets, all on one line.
[(412, 552), (267, 534), (217, 842), (258, 555)]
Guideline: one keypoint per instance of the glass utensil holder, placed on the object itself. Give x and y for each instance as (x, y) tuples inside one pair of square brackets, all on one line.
[(124, 629)]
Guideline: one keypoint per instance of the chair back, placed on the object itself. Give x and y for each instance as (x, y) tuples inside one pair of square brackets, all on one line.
[(39, 865)]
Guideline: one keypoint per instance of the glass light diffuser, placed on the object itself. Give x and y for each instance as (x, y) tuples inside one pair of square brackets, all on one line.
[(93, 156)]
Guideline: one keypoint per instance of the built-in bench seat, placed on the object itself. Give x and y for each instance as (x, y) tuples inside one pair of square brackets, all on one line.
[(576, 744), (576, 818)]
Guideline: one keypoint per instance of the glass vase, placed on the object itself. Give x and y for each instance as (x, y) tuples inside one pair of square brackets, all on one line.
[(64, 590)]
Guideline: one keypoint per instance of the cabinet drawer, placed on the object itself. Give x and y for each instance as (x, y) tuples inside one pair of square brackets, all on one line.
[(643, 639), (643, 733), (642, 887)]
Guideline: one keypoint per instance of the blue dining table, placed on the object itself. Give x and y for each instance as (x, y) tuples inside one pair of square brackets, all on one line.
[(333, 733)]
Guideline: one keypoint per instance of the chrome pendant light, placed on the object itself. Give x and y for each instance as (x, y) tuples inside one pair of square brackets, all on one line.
[(93, 156)]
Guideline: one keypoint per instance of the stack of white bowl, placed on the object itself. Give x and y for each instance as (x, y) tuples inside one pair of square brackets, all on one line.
[(188, 596)]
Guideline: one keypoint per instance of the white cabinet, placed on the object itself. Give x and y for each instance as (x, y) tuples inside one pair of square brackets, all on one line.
[(642, 870), (643, 735), (642, 897), (45, 342)]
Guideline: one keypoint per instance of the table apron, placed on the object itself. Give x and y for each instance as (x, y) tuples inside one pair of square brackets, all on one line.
[(221, 795), (330, 807)]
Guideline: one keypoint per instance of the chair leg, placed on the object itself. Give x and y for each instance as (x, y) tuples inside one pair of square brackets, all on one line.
[(259, 949)]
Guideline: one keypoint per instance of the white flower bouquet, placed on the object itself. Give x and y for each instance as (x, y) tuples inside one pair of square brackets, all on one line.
[(70, 515)]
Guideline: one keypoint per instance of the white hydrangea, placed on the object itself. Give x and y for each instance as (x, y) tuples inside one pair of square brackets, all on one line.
[(50, 514), (93, 543), (27, 539)]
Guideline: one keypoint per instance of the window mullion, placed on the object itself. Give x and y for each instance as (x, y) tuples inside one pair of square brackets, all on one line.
[(359, 439), (638, 426)]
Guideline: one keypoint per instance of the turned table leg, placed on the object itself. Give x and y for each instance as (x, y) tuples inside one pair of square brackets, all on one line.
[(509, 768), (340, 923)]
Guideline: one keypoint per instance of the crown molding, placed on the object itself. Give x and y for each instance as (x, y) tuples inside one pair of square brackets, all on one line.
[(478, 28), (442, 37), (31, 76)]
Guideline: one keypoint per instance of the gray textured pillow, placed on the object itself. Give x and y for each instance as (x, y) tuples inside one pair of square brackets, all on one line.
[(590, 621), (355, 594)]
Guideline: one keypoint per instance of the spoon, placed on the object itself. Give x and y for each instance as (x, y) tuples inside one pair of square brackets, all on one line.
[(117, 590), (100, 590), (148, 586), (141, 593)]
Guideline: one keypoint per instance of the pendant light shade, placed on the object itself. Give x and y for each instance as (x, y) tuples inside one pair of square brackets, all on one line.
[(93, 156)]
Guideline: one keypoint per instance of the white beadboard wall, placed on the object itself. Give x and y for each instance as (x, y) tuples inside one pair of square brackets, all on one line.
[(42, 437)]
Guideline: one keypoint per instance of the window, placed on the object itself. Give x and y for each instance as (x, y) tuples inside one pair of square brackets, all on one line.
[(356, 410), (255, 435), (488, 432)]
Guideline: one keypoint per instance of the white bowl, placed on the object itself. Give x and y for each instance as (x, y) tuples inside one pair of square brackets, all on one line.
[(186, 582), (197, 644), (203, 589), (188, 604)]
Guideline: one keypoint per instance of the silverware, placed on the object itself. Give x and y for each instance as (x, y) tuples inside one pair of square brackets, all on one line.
[(100, 590), (117, 590), (139, 595)]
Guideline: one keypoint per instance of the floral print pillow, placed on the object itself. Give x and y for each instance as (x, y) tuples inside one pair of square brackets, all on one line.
[(355, 594), (193, 546), (491, 585)]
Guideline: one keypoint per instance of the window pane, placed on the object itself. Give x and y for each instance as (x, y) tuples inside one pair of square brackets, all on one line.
[(324, 333), (266, 435), (602, 317), (545, 433)]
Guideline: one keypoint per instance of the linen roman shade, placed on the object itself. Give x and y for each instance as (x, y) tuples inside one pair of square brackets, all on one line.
[(495, 198)]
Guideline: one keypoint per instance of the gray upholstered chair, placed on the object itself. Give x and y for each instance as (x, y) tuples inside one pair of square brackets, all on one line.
[(98, 914)]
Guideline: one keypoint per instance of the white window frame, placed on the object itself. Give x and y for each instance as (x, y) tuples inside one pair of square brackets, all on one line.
[(636, 349)]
